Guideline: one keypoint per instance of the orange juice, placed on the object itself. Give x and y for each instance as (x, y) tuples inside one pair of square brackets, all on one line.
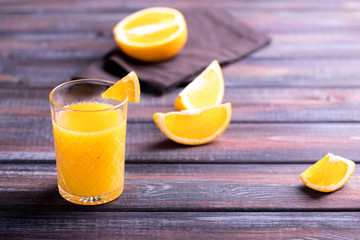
[(90, 145)]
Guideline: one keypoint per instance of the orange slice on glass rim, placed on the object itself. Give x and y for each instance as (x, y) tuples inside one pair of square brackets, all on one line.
[(127, 87)]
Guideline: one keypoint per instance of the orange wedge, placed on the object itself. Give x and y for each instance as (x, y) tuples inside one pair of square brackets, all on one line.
[(194, 127), (205, 90), (152, 34), (127, 87), (328, 174)]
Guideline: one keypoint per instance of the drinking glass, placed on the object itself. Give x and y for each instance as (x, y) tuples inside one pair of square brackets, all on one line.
[(89, 138)]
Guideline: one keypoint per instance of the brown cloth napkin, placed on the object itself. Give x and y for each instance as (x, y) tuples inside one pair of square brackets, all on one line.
[(212, 34)]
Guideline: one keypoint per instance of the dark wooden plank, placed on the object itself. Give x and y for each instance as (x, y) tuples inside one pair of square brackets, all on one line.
[(183, 187), (251, 72), (248, 105), (30, 139), (62, 40), (46, 73), (265, 20), (68, 47), (91, 50), (53, 22), (287, 72), (90, 45), (26, 6), (178, 225)]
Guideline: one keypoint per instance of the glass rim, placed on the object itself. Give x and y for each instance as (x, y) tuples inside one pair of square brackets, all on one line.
[(52, 101)]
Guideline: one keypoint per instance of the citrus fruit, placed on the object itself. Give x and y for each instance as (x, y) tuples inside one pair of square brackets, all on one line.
[(127, 87), (205, 90), (194, 127), (152, 34), (328, 174)]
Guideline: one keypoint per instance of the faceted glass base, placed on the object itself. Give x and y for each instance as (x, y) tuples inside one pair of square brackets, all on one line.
[(94, 200)]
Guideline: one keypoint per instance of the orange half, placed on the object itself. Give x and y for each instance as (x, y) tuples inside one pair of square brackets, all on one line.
[(152, 34)]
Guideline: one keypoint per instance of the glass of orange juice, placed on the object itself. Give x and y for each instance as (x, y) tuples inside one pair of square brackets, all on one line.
[(89, 138)]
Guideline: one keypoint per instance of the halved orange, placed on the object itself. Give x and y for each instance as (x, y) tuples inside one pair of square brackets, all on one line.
[(328, 174), (205, 90), (194, 127), (127, 87), (152, 34)]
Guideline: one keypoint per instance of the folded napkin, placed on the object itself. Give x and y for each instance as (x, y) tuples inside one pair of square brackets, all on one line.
[(212, 34)]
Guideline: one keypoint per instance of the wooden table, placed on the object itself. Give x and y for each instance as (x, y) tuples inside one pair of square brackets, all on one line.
[(293, 102)]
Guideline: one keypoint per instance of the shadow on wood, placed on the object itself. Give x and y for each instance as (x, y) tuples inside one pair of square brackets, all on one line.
[(312, 193), (167, 144)]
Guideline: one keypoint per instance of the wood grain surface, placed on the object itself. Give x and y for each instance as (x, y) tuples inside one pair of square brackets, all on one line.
[(266, 20), (248, 73), (249, 105), (31, 140), (293, 102), (180, 225), (178, 187), (268, 125), (35, 6)]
